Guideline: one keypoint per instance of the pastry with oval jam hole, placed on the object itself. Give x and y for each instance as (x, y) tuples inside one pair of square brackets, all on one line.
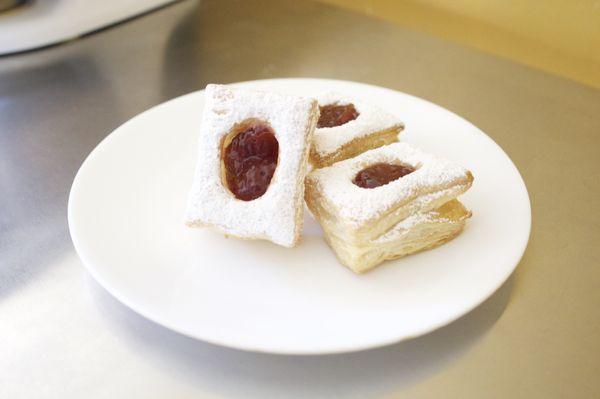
[(387, 203), (381, 174), (348, 127), (252, 161)]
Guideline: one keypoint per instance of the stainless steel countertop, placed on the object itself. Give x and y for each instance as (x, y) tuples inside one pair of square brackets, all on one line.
[(62, 335)]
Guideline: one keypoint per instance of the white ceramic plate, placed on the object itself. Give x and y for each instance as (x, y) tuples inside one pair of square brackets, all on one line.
[(126, 219)]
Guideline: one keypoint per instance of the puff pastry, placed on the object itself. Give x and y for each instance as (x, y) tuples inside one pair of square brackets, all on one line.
[(366, 127), (357, 220), (417, 232), (244, 210)]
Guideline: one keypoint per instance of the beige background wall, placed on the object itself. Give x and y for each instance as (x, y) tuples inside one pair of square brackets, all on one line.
[(558, 36)]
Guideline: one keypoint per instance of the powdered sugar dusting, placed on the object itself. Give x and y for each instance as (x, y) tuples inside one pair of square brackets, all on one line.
[(433, 177), (328, 140), (404, 226), (419, 218), (274, 215)]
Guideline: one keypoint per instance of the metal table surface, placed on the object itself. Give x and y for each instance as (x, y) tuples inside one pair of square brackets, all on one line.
[(63, 336)]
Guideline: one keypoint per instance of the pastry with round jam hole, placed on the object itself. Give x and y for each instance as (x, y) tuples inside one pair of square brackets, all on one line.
[(348, 127), (387, 203)]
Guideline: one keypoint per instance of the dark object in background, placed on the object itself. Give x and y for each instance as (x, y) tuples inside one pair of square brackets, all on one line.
[(6, 5)]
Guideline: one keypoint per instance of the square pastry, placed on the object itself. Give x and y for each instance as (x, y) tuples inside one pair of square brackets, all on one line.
[(360, 199), (348, 127), (252, 161)]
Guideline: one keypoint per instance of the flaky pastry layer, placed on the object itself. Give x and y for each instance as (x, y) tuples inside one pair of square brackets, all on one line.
[(417, 233), (355, 147)]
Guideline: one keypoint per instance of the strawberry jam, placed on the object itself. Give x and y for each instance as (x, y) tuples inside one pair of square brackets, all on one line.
[(250, 160), (336, 115), (380, 174)]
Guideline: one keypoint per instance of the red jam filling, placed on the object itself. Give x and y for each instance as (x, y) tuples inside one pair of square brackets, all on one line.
[(250, 160), (336, 115), (380, 174)]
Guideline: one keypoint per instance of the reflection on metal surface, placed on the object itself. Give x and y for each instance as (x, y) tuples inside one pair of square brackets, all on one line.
[(55, 106)]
